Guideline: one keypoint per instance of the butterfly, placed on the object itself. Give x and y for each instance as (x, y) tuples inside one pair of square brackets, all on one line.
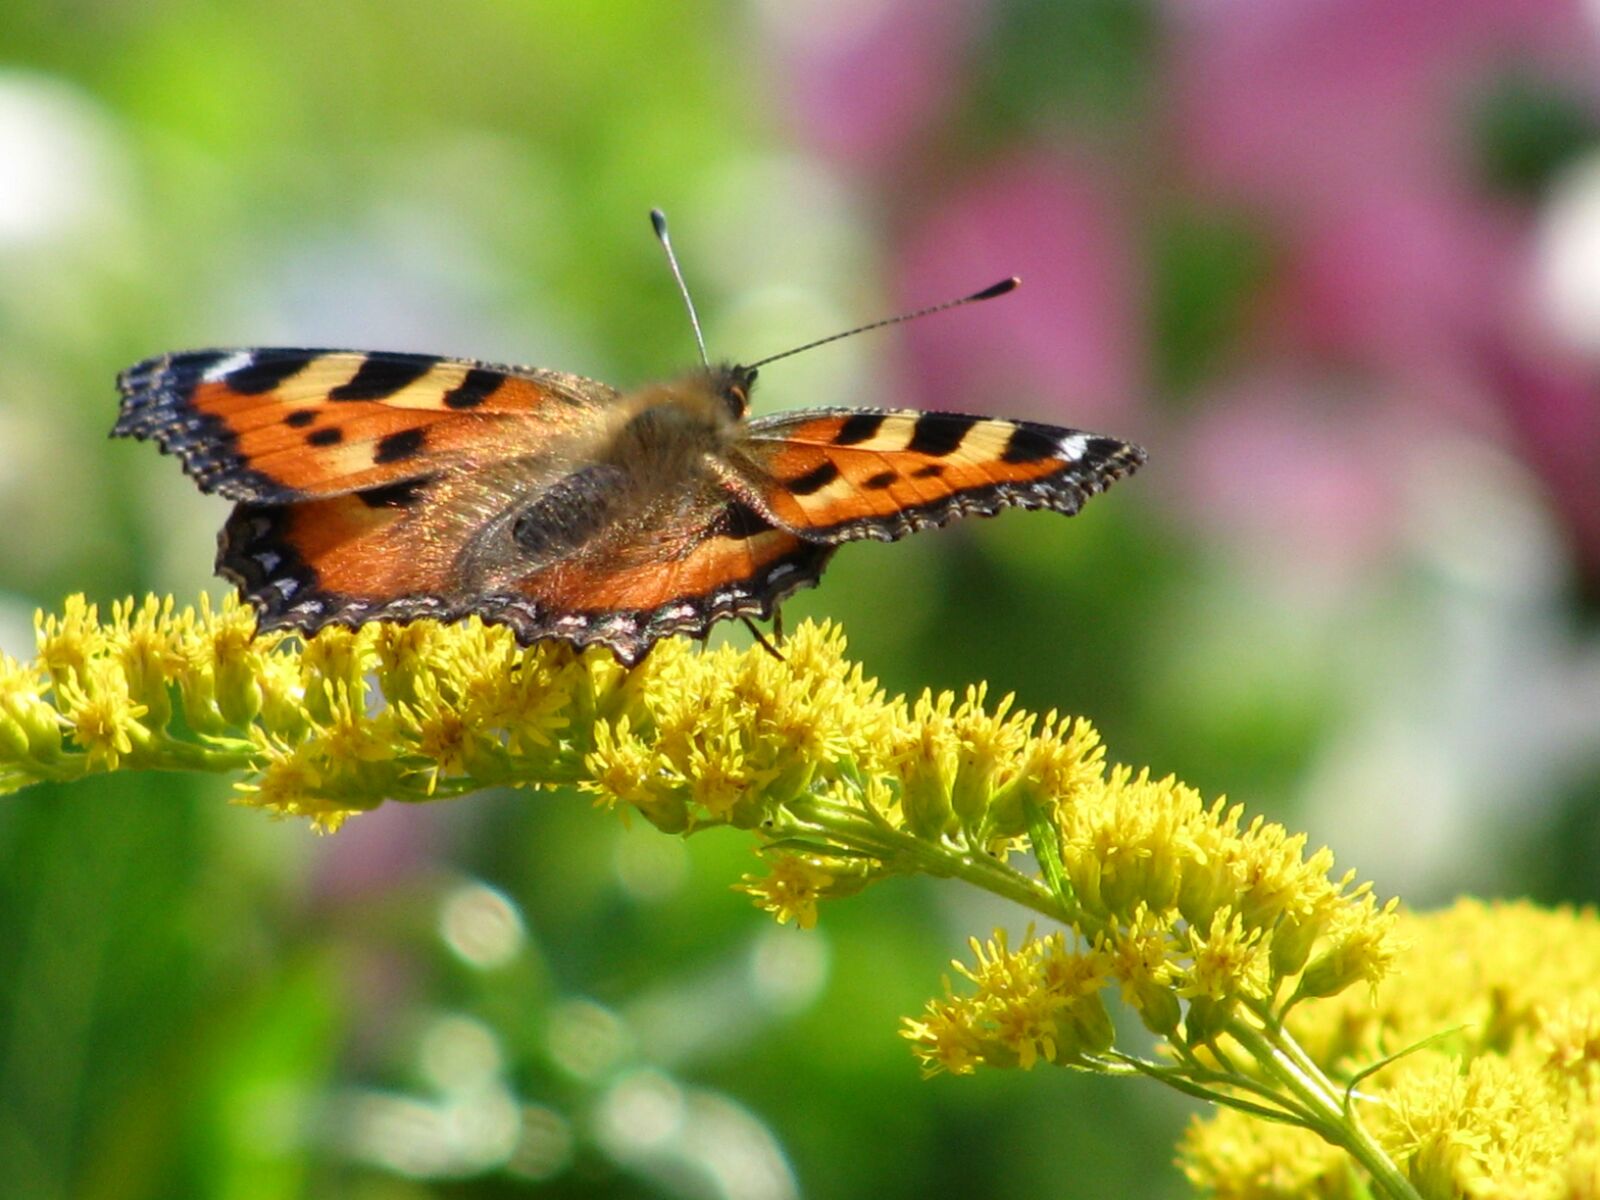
[(381, 486)]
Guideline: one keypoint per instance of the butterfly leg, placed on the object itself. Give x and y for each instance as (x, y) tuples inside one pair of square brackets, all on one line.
[(761, 640), (777, 623)]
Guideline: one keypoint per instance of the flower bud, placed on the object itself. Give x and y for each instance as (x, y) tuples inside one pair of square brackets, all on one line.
[(1206, 1018), (925, 801), (1157, 1007), (1087, 1026), (1292, 939)]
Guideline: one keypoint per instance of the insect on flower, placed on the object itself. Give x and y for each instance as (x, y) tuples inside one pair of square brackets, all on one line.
[(380, 486)]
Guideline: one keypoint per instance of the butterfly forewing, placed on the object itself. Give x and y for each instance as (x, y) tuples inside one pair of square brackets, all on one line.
[(284, 425), (842, 474)]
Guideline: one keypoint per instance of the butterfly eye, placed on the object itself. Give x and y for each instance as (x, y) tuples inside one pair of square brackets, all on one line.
[(736, 391)]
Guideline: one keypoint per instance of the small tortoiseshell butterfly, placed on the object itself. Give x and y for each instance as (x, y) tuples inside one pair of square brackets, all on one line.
[(377, 486)]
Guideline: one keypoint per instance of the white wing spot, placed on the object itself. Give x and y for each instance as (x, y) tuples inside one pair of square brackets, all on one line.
[(234, 362), (1074, 446)]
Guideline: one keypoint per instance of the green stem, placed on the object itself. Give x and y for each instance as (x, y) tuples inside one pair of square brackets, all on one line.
[(846, 826), (1282, 1057), (1128, 1064)]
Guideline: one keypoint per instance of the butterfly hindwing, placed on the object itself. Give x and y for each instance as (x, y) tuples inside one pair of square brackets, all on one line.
[(837, 475), (420, 549), (712, 560), (283, 425)]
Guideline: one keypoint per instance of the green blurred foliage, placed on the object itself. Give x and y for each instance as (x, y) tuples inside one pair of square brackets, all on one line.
[(1526, 130)]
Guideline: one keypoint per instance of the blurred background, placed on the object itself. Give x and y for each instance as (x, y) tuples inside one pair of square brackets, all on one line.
[(1335, 262)]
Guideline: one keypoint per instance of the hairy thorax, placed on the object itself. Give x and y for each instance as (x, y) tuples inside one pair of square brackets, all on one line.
[(657, 447)]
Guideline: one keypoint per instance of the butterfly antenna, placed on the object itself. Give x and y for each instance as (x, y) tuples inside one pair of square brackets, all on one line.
[(658, 221), (988, 293)]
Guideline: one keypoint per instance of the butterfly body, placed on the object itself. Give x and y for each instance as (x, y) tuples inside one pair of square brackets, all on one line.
[(397, 486)]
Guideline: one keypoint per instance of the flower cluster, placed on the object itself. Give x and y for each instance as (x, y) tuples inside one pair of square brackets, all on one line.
[(843, 783), (321, 729), (1192, 915), (1489, 1036), (1212, 928), (1039, 1003)]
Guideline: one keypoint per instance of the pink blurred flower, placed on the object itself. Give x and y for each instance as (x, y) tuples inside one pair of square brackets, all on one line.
[(390, 847), (1286, 466), (1304, 105), (1346, 125), (1066, 345), (865, 77), (1403, 284)]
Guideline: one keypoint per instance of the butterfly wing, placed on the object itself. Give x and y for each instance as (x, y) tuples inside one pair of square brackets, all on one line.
[(552, 549), (835, 475), (283, 425)]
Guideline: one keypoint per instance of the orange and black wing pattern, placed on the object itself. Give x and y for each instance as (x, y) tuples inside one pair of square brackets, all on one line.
[(283, 425), (836, 475), (394, 555), (711, 559), (375, 486)]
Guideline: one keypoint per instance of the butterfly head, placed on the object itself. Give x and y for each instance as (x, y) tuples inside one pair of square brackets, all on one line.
[(732, 383)]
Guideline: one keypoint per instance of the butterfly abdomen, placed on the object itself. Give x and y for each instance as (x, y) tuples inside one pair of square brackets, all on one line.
[(569, 512)]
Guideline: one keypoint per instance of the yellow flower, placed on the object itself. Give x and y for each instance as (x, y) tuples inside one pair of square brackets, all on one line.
[(925, 760), (1038, 1003), (1064, 756), (625, 769), (101, 716), (1361, 948), (1491, 1091), (67, 643), (30, 729), (1569, 1037), (333, 668), (146, 643), (292, 783), (790, 890), (1492, 1129), (986, 748), (1231, 1156), (1227, 960), (442, 734), (945, 1038), (1233, 940), (1143, 958)]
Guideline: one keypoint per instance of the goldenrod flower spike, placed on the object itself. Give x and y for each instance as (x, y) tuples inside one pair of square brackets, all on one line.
[(1229, 940), (1489, 1083)]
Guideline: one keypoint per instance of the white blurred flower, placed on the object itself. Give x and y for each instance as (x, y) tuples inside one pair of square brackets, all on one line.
[(60, 168), (1567, 256)]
